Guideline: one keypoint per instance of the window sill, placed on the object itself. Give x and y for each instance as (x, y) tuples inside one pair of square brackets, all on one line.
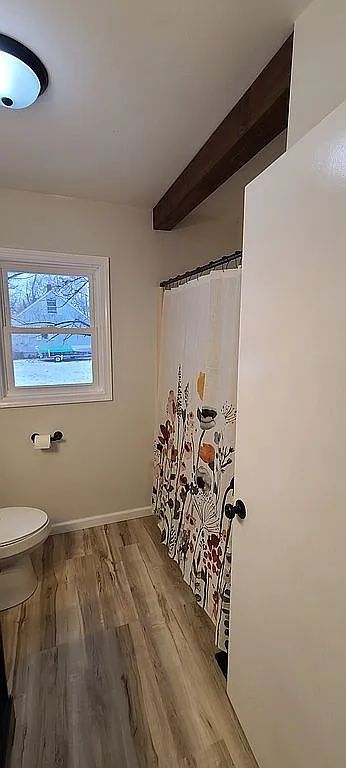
[(93, 395)]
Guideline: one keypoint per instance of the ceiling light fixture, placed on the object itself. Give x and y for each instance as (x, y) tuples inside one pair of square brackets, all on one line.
[(23, 77)]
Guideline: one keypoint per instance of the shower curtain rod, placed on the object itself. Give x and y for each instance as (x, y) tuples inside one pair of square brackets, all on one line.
[(223, 261)]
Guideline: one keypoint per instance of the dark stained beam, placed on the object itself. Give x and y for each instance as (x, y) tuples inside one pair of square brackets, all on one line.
[(257, 118)]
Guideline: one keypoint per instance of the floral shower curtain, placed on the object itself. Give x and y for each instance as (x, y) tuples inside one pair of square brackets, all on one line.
[(194, 448)]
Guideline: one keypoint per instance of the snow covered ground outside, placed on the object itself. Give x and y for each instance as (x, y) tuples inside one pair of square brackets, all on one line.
[(30, 373)]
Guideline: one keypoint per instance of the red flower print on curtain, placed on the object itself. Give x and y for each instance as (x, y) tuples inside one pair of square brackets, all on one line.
[(193, 480)]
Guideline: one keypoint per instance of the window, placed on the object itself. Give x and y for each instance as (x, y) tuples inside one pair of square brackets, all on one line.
[(52, 306), (55, 329)]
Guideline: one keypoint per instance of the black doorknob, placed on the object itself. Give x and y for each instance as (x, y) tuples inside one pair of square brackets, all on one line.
[(231, 510)]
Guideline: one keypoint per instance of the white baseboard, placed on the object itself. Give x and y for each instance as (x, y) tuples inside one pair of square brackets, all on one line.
[(92, 522)]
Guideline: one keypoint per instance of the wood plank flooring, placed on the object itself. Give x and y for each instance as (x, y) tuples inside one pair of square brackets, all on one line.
[(111, 662)]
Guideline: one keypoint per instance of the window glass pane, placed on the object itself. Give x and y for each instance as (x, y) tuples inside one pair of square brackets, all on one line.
[(49, 299), (41, 360)]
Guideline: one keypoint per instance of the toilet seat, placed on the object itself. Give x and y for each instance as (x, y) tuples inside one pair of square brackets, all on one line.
[(21, 529)]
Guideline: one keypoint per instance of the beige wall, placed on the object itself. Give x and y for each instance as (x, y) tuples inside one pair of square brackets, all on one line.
[(105, 464), (319, 65), (216, 226)]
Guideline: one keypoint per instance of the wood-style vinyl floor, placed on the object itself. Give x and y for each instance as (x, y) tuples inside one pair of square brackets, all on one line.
[(111, 662)]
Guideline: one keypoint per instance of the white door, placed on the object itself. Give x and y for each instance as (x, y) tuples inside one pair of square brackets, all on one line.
[(287, 677)]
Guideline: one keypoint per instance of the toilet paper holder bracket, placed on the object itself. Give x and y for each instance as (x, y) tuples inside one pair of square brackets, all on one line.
[(55, 437)]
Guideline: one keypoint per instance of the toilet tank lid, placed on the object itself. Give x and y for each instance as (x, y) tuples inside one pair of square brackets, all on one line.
[(19, 522)]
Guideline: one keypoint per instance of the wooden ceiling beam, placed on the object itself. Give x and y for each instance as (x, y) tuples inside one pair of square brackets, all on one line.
[(257, 118)]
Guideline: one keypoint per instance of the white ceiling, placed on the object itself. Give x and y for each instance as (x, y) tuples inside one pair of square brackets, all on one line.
[(136, 87)]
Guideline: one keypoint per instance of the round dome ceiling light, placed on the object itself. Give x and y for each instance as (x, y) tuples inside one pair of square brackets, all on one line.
[(23, 77)]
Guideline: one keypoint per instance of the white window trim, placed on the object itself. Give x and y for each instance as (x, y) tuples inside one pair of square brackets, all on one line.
[(101, 388)]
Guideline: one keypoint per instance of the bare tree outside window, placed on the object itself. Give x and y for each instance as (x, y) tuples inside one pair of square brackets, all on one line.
[(51, 301), (25, 289)]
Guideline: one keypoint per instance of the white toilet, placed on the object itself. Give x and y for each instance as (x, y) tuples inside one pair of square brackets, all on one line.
[(21, 530)]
